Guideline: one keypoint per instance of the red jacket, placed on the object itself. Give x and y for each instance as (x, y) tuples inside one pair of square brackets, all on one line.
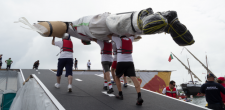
[(222, 95), (107, 49), (67, 45), (172, 93), (127, 47)]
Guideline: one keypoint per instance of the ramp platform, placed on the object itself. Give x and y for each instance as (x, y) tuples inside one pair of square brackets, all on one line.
[(88, 94)]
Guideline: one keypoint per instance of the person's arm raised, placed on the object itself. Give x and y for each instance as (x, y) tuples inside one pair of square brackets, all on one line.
[(53, 40), (110, 36)]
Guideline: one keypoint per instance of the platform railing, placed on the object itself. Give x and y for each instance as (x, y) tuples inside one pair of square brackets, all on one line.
[(47, 92)]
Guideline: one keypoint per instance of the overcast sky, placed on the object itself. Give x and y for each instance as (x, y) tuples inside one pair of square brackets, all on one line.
[(204, 19)]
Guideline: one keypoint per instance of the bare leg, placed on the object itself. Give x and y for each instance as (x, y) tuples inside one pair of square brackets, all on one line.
[(113, 73), (118, 84), (0, 67), (107, 76), (104, 76), (136, 84), (70, 78), (125, 79), (58, 79)]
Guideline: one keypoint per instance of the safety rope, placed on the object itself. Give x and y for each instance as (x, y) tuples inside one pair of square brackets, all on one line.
[(171, 27), (181, 35), (155, 28)]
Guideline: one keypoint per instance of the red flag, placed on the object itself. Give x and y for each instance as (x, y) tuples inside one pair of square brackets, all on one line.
[(170, 58)]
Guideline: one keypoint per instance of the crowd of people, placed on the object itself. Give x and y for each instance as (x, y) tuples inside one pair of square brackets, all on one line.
[(122, 62), (214, 92), (116, 57)]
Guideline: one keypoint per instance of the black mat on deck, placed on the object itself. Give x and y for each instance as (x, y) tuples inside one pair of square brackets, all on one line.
[(87, 94)]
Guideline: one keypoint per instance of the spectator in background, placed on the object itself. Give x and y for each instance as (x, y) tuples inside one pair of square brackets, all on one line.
[(75, 65), (0, 61), (8, 62), (89, 65), (36, 64), (212, 93), (171, 90), (221, 80)]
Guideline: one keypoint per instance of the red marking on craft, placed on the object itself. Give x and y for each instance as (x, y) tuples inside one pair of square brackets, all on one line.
[(139, 80), (156, 84)]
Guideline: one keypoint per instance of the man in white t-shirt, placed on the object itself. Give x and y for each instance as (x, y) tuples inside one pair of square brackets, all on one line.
[(106, 60), (89, 65), (65, 59), (125, 64), (114, 64)]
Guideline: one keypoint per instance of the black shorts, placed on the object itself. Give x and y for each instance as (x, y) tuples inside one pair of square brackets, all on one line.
[(68, 64), (126, 68), (8, 66), (75, 65), (0, 64), (106, 66)]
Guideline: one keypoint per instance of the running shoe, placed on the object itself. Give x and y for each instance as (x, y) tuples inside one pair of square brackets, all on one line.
[(125, 85), (113, 82), (105, 88), (139, 101), (119, 97), (57, 85), (110, 91), (69, 88)]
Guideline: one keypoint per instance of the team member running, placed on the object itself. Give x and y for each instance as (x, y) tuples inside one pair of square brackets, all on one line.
[(106, 59), (65, 60), (0, 61), (125, 64), (114, 64), (8, 62)]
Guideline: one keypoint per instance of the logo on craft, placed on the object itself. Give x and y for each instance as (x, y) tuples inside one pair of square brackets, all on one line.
[(156, 84), (139, 80)]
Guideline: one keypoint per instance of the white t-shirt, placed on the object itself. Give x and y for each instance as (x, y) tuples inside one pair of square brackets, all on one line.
[(122, 57), (89, 63), (114, 51), (63, 54), (164, 91), (105, 57)]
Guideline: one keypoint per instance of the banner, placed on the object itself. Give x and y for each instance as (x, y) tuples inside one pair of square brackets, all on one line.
[(154, 81)]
